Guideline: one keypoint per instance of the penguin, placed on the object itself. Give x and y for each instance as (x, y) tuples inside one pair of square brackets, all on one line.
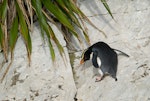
[(104, 58)]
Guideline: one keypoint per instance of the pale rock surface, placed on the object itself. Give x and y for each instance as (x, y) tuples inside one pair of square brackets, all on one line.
[(130, 32), (43, 80)]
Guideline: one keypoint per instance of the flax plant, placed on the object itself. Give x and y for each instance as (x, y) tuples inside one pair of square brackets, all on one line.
[(17, 18)]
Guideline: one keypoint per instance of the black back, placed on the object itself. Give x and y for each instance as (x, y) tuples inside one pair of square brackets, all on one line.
[(108, 57)]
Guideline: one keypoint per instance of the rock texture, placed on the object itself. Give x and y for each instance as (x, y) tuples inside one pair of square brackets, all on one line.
[(129, 32), (43, 80)]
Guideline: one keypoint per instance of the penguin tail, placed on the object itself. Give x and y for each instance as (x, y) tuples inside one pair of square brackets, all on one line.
[(113, 76)]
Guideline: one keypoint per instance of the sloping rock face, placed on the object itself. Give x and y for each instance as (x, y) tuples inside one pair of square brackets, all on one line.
[(129, 32), (47, 81), (43, 80)]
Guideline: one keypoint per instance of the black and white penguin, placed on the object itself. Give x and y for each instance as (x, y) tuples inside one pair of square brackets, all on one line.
[(104, 58)]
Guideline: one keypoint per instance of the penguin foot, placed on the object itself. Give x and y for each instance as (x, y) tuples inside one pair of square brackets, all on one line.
[(98, 78)]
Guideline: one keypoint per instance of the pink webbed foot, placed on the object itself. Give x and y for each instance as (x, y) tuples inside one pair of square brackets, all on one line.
[(98, 78)]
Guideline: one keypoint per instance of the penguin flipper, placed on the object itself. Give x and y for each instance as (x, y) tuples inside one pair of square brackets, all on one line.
[(123, 53)]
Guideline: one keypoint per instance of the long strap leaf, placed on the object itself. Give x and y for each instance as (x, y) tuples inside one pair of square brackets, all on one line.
[(61, 17), (44, 26), (24, 31), (107, 7), (67, 7), (57, 12), (13, 34), (3, 11)]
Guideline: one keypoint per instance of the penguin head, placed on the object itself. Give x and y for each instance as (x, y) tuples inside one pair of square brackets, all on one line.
[(85, 56)]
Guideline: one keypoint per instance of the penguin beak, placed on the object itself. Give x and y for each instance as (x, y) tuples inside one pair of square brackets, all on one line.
[(82, 61)]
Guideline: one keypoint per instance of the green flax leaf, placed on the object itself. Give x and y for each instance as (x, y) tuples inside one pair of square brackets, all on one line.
[(2, 43), (58, 13), (3, 11), (83, 16), (13, 34), (52, 34), (61, 16), (24, 31), (68, 11), (73, 9), (44, 25), (107, 7)]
